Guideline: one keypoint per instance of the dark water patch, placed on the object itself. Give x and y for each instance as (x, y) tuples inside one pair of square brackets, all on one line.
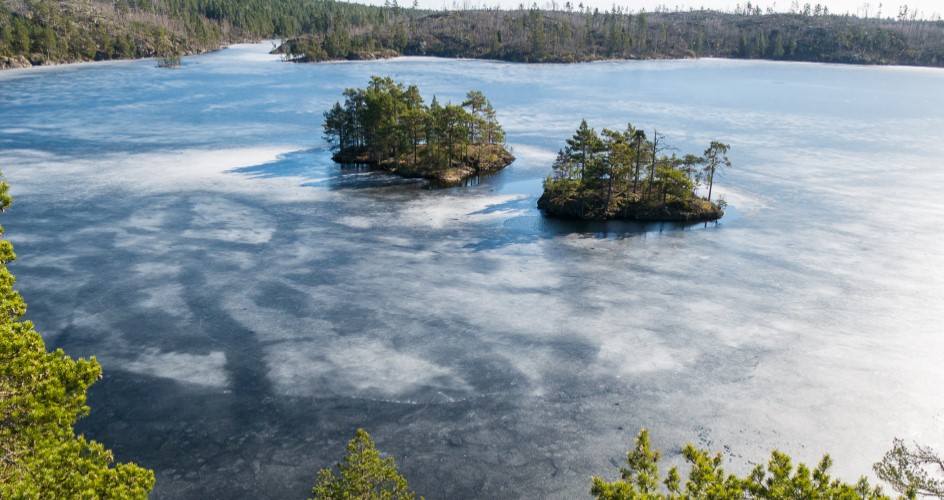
[(316, 169), (308, 163), (524, 229), (353, 177)]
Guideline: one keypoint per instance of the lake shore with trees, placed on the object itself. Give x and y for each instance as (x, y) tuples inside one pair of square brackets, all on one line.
[(388, 126), (569, 35), (55, 32)]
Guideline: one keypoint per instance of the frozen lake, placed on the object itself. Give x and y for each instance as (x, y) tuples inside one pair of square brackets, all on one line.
[(252, 304)]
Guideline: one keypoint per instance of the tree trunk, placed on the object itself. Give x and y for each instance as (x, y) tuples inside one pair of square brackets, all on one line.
[(609, 195), (652, 167), (711, 181)]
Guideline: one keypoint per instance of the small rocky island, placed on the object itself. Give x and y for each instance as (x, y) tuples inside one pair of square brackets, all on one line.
[(388, 126), (625, 175)]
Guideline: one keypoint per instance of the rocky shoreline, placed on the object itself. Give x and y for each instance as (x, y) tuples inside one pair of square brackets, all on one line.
[(698, 210), (480, 159), (15, 62), (22, 62)]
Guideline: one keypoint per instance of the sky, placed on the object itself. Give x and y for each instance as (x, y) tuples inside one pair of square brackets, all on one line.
[(925, 8)]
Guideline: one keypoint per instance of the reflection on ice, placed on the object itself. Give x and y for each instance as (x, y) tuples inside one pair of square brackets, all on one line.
[(361, 368), (206, 370)]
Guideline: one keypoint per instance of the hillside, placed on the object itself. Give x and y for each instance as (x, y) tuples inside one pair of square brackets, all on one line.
[(569, 36), (36, 32)]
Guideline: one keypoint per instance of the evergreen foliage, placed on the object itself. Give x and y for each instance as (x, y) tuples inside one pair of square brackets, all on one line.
[(536, 35), (389, 125), (362, 475), (914, 471), (41, 396), (778, 480), (623, 174), (53, 31)]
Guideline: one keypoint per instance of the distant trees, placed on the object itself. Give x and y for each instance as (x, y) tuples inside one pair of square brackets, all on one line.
[(44, 31), (57, 31), (42, 394), (534, 35), (599, 176), (389, 124), (51, 30), (777, 480)]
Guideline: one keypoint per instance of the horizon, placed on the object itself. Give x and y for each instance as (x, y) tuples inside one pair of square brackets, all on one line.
[(924, 9)]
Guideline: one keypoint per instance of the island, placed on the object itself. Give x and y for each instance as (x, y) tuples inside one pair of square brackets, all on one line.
[(625, 175), (388, 126)]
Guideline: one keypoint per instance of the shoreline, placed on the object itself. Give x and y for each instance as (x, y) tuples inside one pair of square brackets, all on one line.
[(374, 57), (584, 209), (461, 169), (54, 64)]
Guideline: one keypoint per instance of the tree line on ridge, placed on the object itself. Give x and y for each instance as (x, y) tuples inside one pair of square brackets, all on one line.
[(53, 31)]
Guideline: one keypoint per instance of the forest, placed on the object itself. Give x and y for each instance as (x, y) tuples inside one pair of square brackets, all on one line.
[(35, 32), (52, 31), (536, 35), (623, 174), (388, 125)]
